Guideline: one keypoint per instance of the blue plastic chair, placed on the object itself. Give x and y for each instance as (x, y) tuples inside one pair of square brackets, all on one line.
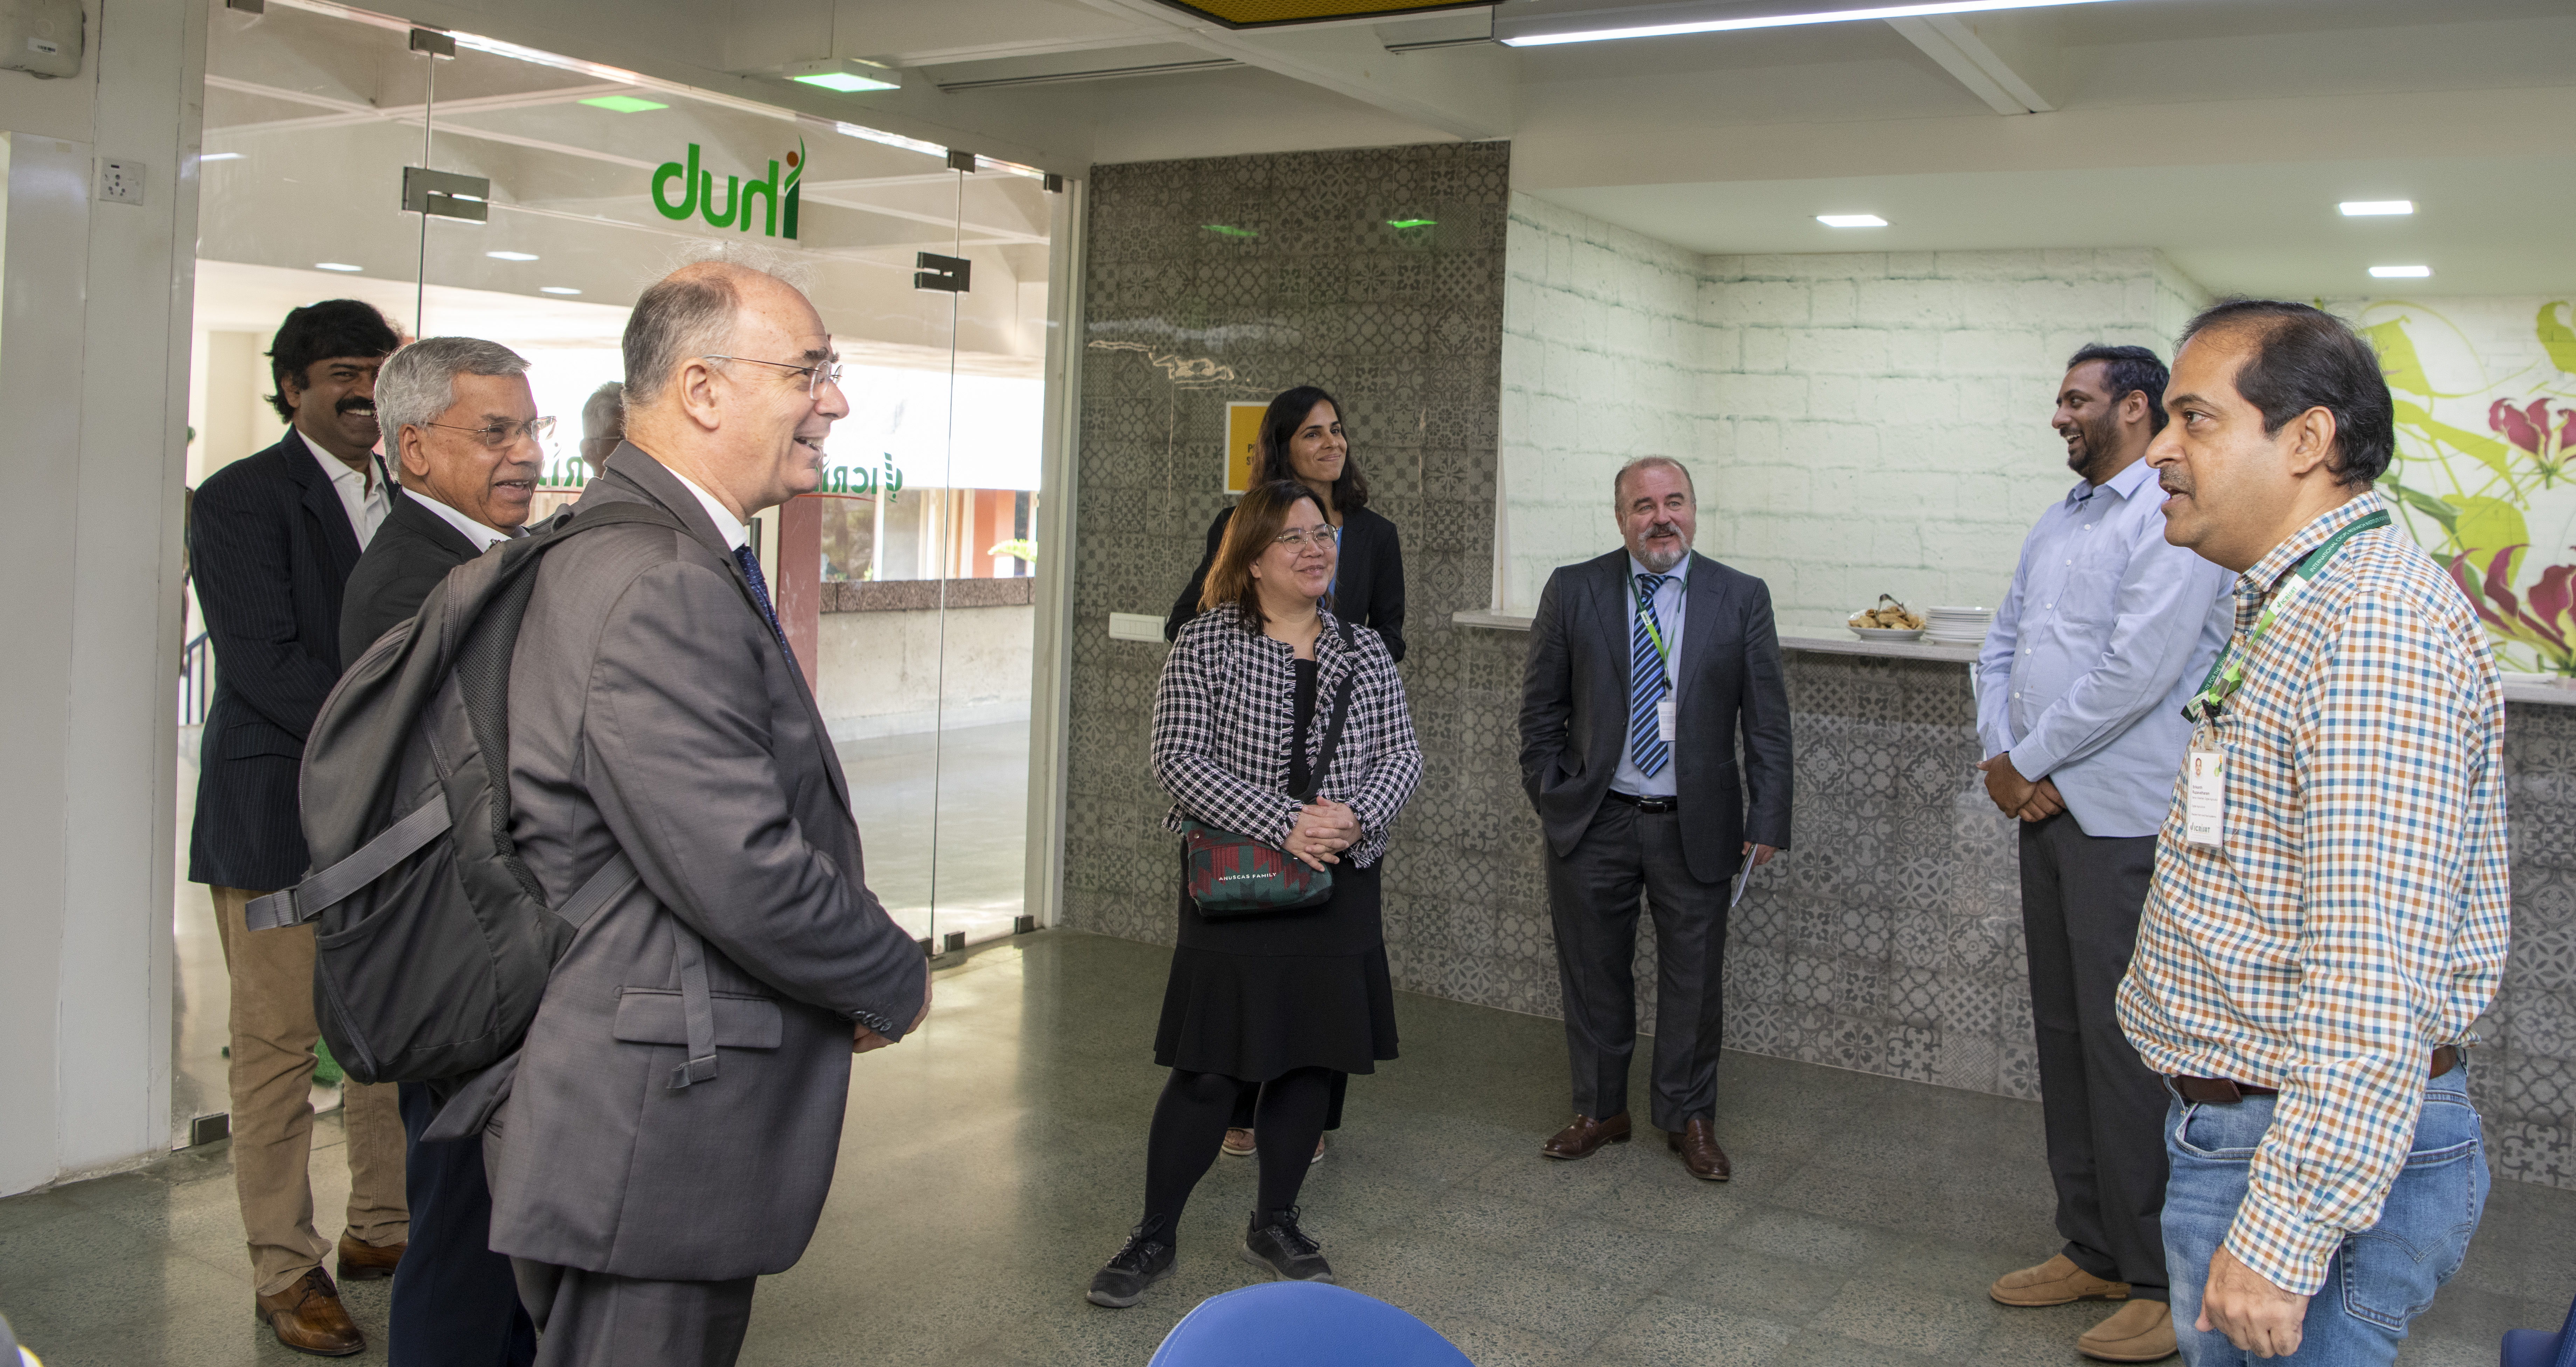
[(2540, 1348), (1302, 1324)]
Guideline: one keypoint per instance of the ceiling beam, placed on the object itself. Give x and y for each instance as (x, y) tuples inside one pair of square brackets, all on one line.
[(1464, 92), (2000, 66)]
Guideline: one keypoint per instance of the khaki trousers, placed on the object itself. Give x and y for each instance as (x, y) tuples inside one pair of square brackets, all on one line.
[(273, 1034)]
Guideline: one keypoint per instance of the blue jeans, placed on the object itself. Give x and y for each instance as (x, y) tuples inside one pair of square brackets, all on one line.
[(2380, 1279)]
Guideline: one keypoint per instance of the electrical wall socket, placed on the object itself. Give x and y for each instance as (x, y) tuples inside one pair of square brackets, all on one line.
[(120, 182)]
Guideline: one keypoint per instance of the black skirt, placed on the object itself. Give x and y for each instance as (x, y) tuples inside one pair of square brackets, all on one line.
[(1253, 997)]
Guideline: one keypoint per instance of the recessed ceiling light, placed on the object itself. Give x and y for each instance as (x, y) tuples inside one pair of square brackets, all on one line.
[(2375, 208), (1851, 220), (336, 266), (623, 104), (848, 75), (1726, 18), (2400, 272), (512, 256), (219, 156), (557, 289)]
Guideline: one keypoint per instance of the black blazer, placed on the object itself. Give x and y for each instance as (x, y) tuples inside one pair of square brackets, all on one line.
[(1574, 709), (1368, 583), (271, 548), (411, 553)]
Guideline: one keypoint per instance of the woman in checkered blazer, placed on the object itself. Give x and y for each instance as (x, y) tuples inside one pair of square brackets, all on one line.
[(1282, 1004)]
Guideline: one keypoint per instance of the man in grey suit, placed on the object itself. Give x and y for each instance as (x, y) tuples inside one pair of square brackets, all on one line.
[(1644, 667), (639, 1185)]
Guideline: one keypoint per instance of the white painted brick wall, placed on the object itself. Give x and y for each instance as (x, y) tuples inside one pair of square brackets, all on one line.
[(1858, 423)]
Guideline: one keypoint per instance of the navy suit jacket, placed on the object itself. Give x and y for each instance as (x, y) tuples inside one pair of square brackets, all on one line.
[(410, 554), (271, 547), (1574, 709)]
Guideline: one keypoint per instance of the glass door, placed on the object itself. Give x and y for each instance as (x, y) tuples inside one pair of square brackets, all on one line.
[(471, 187)]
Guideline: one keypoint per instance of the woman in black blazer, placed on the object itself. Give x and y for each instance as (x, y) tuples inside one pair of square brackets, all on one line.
[(1301, 439)]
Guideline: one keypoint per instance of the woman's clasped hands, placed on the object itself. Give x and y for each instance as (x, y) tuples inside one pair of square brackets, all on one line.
[(1324, 828)]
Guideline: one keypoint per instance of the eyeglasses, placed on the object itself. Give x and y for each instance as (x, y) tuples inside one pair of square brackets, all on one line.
[(816, 376), (500, 434), (1322, 538)]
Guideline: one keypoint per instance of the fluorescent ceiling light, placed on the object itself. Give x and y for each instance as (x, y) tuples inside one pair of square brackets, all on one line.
[(2400, 272), (1737, 21), (1851, 220), (848, 75), (624, 104), (219, 156), (336, 266), (557, 289), (2375, 208), (512, 256)]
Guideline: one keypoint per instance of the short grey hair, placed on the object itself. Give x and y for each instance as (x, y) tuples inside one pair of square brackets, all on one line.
[(1619, 481), (603, 414), (419, 382), (689, 313)]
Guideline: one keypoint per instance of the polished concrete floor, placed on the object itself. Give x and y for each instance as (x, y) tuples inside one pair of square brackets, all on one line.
[(991, 1162)]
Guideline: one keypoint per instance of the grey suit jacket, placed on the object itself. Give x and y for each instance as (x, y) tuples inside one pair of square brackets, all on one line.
[(1574, 709), (652, 711)]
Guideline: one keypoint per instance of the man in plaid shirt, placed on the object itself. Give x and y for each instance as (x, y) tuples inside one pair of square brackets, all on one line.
[(2329, 912)]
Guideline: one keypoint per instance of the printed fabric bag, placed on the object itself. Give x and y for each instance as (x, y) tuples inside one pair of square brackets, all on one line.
[(1236, 875)]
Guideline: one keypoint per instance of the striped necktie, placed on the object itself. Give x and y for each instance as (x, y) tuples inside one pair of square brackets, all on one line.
[(1647, 681), (750, 562)]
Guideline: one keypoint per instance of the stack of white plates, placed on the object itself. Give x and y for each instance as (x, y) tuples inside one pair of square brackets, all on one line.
[(1957, 626)]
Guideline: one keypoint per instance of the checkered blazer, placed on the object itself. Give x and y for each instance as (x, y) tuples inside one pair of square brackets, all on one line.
[(1222, 721)]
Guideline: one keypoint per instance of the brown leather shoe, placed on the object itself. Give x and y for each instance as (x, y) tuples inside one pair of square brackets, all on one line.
[(309, 1318), (1696, 1142), (2055, 1282), (1579, 1139), (366, 1262), (2142, 1331)]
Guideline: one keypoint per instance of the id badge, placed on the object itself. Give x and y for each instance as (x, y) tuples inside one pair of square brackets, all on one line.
[(2205, 791), (1667, 715)]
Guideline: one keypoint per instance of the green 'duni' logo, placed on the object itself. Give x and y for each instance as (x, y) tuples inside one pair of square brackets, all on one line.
[(698, 194)]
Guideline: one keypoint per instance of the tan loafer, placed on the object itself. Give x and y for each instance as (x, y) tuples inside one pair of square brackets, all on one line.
[(366, 1262), (2142, 1331), (307, 1316), (2055, 1282)]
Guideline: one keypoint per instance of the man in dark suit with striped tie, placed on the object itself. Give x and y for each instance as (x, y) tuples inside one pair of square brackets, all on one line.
[(1645, 666)]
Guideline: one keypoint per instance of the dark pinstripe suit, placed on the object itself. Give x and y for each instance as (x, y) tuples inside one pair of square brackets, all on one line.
[(271, 548)]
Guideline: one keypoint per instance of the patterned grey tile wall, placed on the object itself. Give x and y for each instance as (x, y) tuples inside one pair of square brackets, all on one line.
[(1888, 941)]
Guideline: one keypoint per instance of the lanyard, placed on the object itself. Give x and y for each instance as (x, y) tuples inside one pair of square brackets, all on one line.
[(1646, 614), (2227, 673)]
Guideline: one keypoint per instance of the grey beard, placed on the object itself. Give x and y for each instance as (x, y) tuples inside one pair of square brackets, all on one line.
[(1648, 558)]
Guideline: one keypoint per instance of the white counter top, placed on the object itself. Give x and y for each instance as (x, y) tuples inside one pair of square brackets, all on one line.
[(2515, 690)]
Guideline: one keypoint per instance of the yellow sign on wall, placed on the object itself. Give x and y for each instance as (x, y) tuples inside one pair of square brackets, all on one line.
[(1242, 440)]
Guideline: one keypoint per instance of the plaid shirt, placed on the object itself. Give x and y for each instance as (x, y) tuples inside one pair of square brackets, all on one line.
[(1222, 722), (2355, 917)]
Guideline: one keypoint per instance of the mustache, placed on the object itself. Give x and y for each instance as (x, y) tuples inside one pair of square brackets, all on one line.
[(355, 404)]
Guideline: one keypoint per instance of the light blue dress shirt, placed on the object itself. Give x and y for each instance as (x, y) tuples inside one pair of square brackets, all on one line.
[(1670, 607), (2106, 632)]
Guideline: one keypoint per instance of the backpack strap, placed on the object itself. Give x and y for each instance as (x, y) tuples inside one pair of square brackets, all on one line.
[(697, 1009), (606, 885), (321, 891)]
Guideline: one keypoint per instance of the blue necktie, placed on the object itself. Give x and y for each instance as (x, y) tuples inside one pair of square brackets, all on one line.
[(742, 555), (1647, 683)]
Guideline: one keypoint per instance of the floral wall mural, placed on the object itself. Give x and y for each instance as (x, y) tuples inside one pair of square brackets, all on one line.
[(2486, 425)]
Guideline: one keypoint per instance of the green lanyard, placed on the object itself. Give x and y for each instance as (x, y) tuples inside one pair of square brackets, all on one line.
[(1646, 614), (2227, 673)]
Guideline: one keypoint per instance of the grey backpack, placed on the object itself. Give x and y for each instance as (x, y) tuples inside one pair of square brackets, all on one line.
[(432, 940)]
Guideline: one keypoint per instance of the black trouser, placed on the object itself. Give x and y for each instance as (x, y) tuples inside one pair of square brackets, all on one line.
[(1592, 895), (2080, 900), (1189, 1125), (455, 1302)]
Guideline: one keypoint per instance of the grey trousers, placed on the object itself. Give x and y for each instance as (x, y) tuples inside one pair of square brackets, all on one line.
[(2103, 1108), (1592, 897), (595, 1319), (599, 1319)]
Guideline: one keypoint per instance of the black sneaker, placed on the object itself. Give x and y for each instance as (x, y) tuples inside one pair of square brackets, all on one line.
[(1274, 1241), (1143, 1261)]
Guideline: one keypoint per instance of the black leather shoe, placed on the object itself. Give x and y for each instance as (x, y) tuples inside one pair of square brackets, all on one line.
[(1274, 1241), (1143, 1261)]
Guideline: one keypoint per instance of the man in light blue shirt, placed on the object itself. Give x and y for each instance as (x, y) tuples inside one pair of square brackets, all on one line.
[(2106, 631)]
